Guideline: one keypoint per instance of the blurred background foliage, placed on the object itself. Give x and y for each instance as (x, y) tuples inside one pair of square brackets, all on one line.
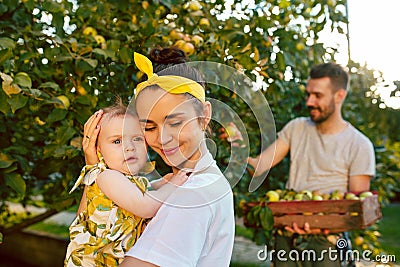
[(62, 60)]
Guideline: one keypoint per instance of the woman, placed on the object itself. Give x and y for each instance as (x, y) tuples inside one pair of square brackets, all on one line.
[(195, 227)]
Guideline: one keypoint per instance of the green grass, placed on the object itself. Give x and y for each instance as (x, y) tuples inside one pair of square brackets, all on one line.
[(51, 228), (389, 229), (243, 231), (239, 264)]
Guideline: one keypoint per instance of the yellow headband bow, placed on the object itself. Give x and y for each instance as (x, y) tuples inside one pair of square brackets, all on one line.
[(170, 83)]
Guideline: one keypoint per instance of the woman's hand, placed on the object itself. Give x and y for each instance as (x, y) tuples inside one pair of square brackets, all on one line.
[(306, 230), (90, 134)]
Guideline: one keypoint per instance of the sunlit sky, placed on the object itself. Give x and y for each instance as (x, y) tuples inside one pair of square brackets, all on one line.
[(373, 28), (374, 34)]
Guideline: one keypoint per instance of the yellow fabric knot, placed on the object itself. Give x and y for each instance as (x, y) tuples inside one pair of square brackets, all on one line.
[(170, 83), (92, 171)]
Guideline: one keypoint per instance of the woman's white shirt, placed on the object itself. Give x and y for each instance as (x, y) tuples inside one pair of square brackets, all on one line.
[(195, 226)]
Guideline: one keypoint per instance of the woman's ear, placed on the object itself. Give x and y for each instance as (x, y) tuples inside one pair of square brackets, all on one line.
[(207, 111)]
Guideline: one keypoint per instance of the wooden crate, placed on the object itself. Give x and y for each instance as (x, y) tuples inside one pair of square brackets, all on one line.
[(335, 215)]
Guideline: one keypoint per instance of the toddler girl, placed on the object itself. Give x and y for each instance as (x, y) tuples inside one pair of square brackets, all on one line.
[(115, 204)]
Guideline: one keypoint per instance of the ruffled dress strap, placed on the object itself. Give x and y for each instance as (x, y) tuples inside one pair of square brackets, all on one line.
[(89, 173)]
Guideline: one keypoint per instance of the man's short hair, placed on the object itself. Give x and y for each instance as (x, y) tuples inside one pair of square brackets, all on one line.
[(337, 74)]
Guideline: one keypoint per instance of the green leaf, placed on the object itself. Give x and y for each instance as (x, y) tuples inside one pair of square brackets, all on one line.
[(58, 22), (266, 218), (52, 6), (11, 169), (114, 45), (84, 99), (64, 134), (52, 85), (280, 60), (23, 79), (125, 55), (17, 102), (6, 160), (87, 100), (62, 204), (260, 238), (57, 115), (38, 94), (91, 62), (4, 106), (83, 115), (105, 53), (85, 64), (49, 150), (5, 54), (7, 43), (16, 182), (60, 152)]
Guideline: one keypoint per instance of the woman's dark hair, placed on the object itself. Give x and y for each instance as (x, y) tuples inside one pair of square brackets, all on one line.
[(167, 57), (338, 76), (172, 61)]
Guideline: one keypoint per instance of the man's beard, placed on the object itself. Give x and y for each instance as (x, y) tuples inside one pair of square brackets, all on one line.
[(323, 114)]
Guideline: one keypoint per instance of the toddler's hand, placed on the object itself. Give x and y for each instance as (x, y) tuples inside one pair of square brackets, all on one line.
[(178, 179)]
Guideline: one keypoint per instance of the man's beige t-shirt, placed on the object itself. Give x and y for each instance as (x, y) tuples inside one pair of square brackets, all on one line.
[(325, 162)]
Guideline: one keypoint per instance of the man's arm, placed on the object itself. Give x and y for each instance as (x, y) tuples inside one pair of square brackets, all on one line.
[(359, 183), (269, 157)]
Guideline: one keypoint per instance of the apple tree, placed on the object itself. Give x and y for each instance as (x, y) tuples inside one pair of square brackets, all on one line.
[(62, 60)]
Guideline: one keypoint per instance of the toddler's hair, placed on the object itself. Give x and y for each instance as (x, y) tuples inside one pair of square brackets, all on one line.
[(119, 109)]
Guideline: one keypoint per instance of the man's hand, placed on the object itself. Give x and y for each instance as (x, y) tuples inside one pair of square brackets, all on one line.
[(306, 230)]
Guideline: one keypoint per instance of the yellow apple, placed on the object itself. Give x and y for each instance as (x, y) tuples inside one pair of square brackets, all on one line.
[(317, 197), (299, 196), (307, 194), (81, 90), (64, 102), (350, 196), (134, 19), (197, 40), (90, 31), (300, 46), (176, 35), (366, 194), (194, 5), (332, 3), (180, 44), (189, 49), (145, 5), (337, 195), (358, 241), (230, 131), (39, 121), (204, 22), (99, 39), (272, 196)]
